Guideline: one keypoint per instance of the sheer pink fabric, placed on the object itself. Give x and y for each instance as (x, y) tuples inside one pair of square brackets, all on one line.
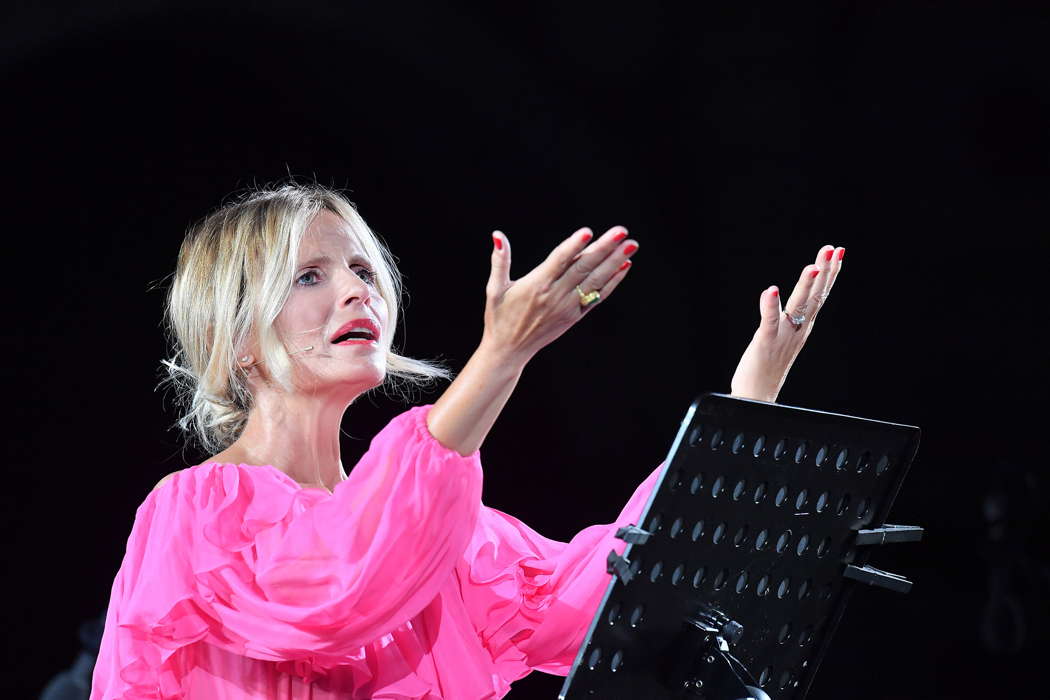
[(238, 583)]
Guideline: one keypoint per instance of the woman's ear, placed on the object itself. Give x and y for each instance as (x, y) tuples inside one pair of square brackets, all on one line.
[(246, 354), (250, 362)]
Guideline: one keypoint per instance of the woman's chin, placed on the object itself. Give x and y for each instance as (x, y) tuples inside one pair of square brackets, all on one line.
[(366, 379), (352, 383)]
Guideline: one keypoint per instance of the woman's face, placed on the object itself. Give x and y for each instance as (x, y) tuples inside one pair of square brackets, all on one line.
[(333, 286)]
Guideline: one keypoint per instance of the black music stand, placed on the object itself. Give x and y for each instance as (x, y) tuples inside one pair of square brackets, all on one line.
[(753, 540)]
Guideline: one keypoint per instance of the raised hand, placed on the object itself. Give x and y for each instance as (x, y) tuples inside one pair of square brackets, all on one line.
[(524, 315), (783, 331)]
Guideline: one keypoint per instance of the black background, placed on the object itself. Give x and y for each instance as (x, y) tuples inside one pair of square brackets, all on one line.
[(732, 141)]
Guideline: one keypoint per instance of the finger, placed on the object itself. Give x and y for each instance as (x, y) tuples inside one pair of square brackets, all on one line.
[(824, 256), (769, 312), (499, 274), (613, 282), (798, 303), (828, 265), (598, 255), (613, 263), (563, 255), (840, 253)]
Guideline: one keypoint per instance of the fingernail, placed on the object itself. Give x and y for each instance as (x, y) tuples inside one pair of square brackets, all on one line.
[(814, 273), (497, 241), (626, 264), (620, 236), (842, 253), (829, 254), (776, 292), (629, 250), (587, 235)]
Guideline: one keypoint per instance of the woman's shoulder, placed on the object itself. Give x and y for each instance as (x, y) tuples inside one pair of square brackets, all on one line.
[(165, 480), (238, 491), (231, 455), (211, 469), (225, 503), (188, 471)]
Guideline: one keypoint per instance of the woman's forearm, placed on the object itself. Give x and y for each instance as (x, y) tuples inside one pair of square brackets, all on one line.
[(461, 419)]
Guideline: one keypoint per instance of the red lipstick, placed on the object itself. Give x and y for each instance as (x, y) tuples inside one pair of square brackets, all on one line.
[(360, 331)]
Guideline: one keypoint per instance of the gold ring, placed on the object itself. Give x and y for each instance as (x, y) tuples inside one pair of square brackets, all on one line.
[(588, 298)]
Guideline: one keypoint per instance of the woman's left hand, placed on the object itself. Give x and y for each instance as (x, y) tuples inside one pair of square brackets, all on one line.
[(765, 364)]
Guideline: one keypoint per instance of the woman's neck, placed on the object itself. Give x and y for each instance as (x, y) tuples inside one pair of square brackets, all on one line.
[(295, 434)]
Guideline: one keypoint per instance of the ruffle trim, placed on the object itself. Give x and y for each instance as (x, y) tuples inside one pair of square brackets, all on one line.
[(535, 597), (522, 590), (234, 507)]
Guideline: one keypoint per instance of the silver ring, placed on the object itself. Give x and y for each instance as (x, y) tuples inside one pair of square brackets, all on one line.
[(796, 321)]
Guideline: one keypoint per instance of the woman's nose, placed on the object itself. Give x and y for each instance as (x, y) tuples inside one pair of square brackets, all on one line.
[(355, 288)]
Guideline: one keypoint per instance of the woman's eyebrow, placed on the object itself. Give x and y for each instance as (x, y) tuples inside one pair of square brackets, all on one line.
[(316, 260), (319, 259)]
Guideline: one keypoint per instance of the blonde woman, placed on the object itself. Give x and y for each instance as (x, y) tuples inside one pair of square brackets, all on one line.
[(268, 571)]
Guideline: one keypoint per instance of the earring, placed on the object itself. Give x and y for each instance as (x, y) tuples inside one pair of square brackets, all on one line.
[(246, 358)]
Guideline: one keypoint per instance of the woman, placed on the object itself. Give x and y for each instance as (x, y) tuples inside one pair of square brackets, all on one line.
[(267, 571)]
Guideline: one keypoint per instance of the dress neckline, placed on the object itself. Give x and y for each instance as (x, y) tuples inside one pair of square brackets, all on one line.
[(280, 473)]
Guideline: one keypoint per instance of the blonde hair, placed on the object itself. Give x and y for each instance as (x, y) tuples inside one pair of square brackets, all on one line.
[(233, 276)]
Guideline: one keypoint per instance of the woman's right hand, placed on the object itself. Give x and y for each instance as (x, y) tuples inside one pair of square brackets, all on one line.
[(522, 316)]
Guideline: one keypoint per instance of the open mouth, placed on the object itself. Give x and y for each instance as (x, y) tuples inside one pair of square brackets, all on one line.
[(360, 331)]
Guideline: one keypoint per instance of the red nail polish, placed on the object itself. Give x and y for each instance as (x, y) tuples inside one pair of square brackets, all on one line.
[(620, 236), (842, 253), (626, 264), (498, 242), (776, 292), (629, 250), (814, 273), (828, 255), (587, 235)]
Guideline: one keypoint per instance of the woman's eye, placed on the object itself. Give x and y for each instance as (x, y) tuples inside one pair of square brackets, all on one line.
[(366, 274), (305, 275)]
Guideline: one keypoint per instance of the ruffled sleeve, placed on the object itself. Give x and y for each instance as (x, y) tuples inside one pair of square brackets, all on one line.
[(532, 599), (241, 557)]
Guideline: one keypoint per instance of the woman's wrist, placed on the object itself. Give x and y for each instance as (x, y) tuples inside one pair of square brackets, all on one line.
[(494, 354), (462, 417), (755, 393)]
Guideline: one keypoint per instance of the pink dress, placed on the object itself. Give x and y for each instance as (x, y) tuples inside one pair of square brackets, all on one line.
[(238, 583)]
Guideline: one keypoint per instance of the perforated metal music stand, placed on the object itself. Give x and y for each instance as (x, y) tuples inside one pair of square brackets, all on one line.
[(749, 548)]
